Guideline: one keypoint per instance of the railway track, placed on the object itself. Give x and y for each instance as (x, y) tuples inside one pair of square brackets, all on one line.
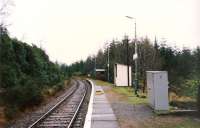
[(66, 113)]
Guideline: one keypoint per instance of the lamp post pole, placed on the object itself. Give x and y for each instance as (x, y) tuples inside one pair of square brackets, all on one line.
[(135, 58)]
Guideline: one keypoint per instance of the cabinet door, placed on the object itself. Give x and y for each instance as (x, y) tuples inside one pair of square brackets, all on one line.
[(150, 89), (161, 91)]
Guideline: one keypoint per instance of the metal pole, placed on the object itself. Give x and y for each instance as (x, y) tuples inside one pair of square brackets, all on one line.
[(136, 63)]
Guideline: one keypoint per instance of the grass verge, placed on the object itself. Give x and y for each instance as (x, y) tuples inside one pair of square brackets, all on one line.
[(127, 93), (102, 83), (187, 123)]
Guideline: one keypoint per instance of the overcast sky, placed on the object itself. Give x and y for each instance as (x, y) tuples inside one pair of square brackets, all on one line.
[(70, 30)]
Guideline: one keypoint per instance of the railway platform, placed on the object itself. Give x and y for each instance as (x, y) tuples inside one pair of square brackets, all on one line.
[(102, 115)]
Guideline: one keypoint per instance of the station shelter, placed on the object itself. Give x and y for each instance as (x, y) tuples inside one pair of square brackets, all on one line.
[(122, 75)]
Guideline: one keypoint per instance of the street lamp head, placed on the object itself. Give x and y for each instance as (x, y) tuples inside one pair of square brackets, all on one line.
[(129, 17)]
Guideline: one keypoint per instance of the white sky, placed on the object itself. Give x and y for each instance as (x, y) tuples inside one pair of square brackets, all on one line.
[(70, 30)]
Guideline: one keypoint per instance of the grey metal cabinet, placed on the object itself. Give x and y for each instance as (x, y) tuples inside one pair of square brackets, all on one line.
[(157, 89)]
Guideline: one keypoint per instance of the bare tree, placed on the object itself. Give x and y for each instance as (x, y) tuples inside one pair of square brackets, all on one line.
[(5, 9)]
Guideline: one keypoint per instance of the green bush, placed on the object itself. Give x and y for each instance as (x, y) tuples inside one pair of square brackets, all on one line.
[(189, 88), (22, 95)]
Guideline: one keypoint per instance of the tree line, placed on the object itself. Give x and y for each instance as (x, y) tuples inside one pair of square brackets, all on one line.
[(183, 65), (25, 72)]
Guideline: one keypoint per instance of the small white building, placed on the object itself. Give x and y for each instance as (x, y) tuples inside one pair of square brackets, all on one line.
[(157, 89), (121, 75)]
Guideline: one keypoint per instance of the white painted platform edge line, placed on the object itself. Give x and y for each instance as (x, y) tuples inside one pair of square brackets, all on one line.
[(88, 118)]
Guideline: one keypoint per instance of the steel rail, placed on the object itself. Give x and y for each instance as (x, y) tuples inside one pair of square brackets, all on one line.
[(53, 108), (78, 108)]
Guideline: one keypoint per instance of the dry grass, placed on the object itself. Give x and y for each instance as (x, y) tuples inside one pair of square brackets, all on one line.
[(174, 97), (52, 91), (182, 102)]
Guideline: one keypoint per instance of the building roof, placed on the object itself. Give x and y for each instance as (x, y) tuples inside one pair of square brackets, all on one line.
[(100, 70), (121, 64)]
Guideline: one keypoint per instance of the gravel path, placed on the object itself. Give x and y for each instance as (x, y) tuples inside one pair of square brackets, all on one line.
[(131, 116), (128, 115)]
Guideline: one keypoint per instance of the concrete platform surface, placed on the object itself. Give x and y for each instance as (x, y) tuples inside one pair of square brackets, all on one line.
[(102, 114)]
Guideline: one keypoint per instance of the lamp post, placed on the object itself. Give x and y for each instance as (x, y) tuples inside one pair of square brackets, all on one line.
[(135, 57)]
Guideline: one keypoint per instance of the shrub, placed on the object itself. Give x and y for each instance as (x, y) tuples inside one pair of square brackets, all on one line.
[(22, 95)]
